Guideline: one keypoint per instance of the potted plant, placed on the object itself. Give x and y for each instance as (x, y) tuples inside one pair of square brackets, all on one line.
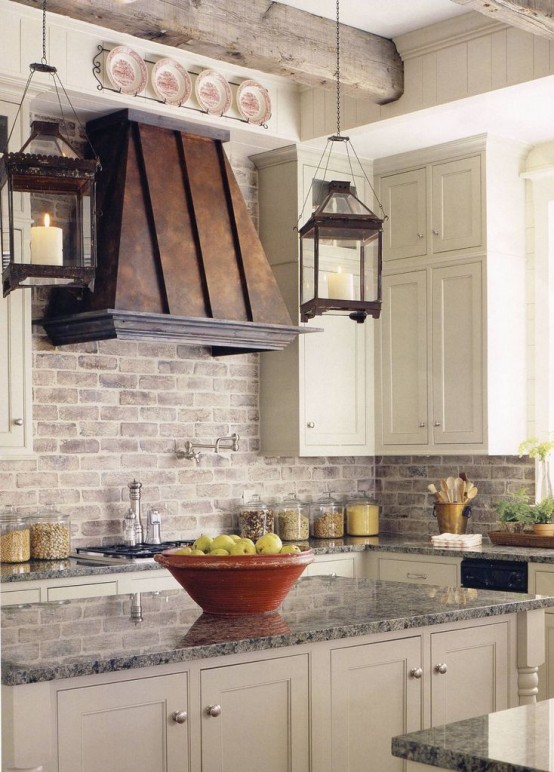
[(514, 513), (542, 517)]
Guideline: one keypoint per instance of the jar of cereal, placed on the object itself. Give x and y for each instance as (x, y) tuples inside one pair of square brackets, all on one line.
[(362, 516), (291, 520), (327, 518), (255, 519), (14, 537), (50, 535)]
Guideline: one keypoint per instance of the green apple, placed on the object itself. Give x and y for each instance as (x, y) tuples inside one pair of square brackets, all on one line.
[(244, 547), (204, 543), (183, 551), (218, 551), (269, 544), (290, 549), (235, 537), (196, 552), (222, 542)]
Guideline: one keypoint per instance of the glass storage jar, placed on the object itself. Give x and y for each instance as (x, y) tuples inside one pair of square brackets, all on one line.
[(50, 535), (255, 519), (15, 538), (362, 516), (292, 522), (327, 518)]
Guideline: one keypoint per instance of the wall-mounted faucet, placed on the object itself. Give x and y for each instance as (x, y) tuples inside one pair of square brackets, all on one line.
[(222, 443)]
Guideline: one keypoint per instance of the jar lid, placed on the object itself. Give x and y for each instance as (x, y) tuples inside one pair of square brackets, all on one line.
[(361, 498), (9, 514), (255, 503), (49, 512), (291, 500), (328, 500)]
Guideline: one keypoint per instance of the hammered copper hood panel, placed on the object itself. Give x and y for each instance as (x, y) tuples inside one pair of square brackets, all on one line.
[(178, 255)]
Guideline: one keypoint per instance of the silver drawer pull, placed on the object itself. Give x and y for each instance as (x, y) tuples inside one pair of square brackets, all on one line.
[(442, 668), (416, 672), (416, 576), (179, 716), (213, 710)]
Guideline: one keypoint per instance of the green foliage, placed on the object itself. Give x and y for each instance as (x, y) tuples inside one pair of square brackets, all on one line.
[(516, 509), (535, 449), (544, 511)]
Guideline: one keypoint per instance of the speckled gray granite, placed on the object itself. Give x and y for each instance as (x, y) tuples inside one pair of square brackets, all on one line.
[(42, 642), (417, 545), (514, 740)]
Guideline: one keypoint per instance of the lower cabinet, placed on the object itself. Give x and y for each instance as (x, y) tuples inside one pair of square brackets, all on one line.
[(541, 582), (256, 716), (398, 567), (374, 696), (130, 726)]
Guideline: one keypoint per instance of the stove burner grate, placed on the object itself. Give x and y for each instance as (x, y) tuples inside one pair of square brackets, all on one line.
[(126, 552)]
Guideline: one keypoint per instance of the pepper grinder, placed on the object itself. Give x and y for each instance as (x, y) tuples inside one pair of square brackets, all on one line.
[(134, 495), (154, 521)]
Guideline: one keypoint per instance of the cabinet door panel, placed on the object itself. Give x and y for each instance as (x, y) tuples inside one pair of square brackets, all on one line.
[(457, 353), (476, 679), (456, 210), (263, 722), (404, 359), (373, 699), (124, 726), (335, 383), (403, 197)]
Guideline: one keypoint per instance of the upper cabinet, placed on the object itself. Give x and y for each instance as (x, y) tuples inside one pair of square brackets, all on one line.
[(15, 324), (451, 345), (316, 396), (432, 209)]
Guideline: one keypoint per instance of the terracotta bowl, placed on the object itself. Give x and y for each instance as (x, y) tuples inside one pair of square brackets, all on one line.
[(231, 585)]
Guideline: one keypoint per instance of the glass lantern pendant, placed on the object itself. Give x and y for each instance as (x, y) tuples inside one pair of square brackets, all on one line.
[(341, 257), (55, 188)]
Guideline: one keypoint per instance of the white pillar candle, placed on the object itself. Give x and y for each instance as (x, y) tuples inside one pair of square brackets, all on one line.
[(341, 285), (46, 244)]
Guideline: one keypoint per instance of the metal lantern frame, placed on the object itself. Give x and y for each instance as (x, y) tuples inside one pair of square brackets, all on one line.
[(344, 226), (49, 175)]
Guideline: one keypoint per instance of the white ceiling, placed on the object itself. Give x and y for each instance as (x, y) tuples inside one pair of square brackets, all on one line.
[(387, 18)]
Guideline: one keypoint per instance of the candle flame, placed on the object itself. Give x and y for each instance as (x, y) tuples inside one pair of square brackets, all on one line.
[(46, 220)]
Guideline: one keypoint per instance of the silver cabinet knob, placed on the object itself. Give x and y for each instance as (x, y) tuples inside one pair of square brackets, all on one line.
[(421, 424), (442, 668), (18, 421), (416, 672), (435, 233), (420, 235), (179, 716), (437, 423), (213, 710), (310, 424)]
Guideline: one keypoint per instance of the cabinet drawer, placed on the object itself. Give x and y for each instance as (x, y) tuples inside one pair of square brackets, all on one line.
[(15, 597), (82, 591), (418, 572), (339, 567), (544, 583), (154, 584)]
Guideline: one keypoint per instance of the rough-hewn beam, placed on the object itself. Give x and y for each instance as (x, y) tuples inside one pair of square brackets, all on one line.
[(257, 34), (535, 16)]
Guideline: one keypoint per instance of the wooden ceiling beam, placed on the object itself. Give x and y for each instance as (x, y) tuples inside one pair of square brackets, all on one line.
[(535, 16), (257, 34)]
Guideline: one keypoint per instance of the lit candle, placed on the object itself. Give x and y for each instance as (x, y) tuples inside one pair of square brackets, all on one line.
[(341, 285), (46, 244)]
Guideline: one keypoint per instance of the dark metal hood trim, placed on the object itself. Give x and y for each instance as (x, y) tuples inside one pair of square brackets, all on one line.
[(224, 336), (179, 257)]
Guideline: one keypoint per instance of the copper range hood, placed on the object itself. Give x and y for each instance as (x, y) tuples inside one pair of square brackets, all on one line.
[(178, 255)]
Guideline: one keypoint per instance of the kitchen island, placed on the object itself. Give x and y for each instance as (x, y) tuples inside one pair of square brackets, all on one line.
[(342, 657), (508, 741)]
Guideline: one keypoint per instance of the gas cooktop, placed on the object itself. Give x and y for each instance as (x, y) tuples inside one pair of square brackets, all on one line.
[(119, 553)]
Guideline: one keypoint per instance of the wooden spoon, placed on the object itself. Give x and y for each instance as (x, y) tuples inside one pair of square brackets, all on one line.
[(444, 489), (471, 494), (451, 484), (461, 489)]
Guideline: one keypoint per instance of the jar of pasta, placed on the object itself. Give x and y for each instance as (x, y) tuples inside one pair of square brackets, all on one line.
[(292, 520), (362, 516), (327, 518), (15, 541), (50, 535), (255, 519)]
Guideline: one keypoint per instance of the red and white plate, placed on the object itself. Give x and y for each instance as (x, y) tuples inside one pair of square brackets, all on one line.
[(171, 82), (213, 92), (253, 102), (126, 70)]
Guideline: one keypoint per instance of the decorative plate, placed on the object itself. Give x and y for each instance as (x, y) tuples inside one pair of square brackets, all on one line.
[(171, 82), (253, 102), (126, 70), (213, 92)]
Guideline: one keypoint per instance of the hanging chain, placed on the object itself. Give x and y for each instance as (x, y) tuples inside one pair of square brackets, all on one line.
[(338, 68), (44, 60)]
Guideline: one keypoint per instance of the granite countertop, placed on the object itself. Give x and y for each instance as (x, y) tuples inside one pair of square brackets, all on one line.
[(514, 740), (417, 545), (42, 642)]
